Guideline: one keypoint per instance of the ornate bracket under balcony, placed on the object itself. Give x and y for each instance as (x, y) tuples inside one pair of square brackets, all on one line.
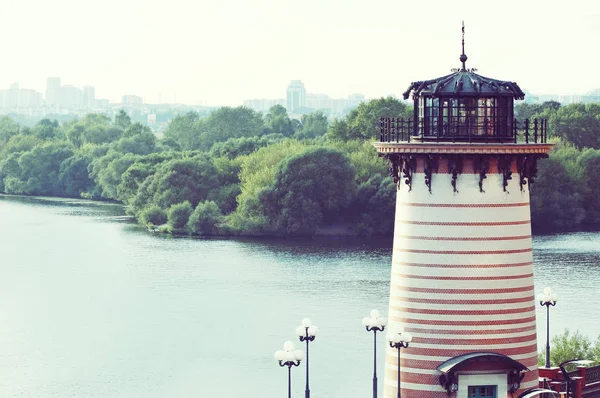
[(406, 159), (481, 166), (431, 164), (402, 167), (527, 166), (455, 165), (409, 165), (505, 168)]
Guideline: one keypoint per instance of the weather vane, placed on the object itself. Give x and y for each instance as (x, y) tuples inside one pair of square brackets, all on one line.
[(463, 57)]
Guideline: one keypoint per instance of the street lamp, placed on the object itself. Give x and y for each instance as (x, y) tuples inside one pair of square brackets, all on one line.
[(374, 324), (399, 339), (289, 357), (548, 298), (307, 332)]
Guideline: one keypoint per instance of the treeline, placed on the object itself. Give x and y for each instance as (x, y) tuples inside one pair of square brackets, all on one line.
[(237, 171), (566, 194)]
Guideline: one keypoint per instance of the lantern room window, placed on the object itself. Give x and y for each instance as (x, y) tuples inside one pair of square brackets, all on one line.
[(451, 118)]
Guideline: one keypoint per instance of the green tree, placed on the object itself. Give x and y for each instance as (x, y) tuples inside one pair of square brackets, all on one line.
[(46, 129), (530, 111), (40, 168), (109, 176), (567, 346), (182, 180), (555, 202), (74, 177), (101, 134), (142, 198), (310, 189), (75, 135), (227, 122), (235, 147), (8, 128), (153, 215), (258, 173), (312, 125), (183, 131), (338, 130), (19, 143), (179, 215), (10, 169), (205, 219), (143, 143), (363, 122), (136, 129), (591, 195), (131, 180), (578, 124), (122, 120), (278, 122)]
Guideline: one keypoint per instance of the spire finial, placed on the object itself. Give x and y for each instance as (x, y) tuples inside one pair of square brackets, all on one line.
[(463, 57)]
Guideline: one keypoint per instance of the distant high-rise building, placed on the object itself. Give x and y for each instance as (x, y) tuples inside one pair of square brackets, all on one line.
[(29, 99), (70, 97), (263, 105), (53, 91), (131, 100), (319, 101), (89, 97), (15, 97), (296, 95)]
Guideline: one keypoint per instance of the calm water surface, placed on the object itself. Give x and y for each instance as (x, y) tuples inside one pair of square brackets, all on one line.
[(93, 306)]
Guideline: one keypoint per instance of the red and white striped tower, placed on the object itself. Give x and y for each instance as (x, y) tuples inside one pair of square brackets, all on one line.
[(462, 270)]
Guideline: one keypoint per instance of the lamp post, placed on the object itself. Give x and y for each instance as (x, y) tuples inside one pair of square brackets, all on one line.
[(399, 339), (307, 332), (548, 298), (289, 357), (374, 323)]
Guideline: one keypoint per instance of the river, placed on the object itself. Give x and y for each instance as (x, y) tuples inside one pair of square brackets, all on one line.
[(92, 305)]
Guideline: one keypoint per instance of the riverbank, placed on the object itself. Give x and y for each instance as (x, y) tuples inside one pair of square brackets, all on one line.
[(334, 231)]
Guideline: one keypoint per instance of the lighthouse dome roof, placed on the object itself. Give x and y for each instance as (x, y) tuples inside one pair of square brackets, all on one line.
[(464, 83)]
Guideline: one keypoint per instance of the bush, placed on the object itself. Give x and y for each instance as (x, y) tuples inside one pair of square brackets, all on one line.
[(568, 346), (178, 215), (205, 219), (153, 215)]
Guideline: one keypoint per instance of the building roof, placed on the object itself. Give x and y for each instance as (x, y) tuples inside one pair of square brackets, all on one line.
[(465, 83), (453, 363)]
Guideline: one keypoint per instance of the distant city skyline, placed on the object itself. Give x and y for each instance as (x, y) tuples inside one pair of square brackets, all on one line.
[(221, 53), (67, 97)]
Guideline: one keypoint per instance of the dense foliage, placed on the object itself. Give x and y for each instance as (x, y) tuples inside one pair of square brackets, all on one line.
[(568, 346), (236, 171)]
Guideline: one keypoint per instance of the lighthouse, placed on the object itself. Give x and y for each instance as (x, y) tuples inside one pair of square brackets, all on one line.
[(462, 266)]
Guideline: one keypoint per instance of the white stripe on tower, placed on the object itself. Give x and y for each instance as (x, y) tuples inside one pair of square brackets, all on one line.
[(462, 278)]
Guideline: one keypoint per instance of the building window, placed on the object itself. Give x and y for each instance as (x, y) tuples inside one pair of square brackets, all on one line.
[(465, 117), (482, 392)]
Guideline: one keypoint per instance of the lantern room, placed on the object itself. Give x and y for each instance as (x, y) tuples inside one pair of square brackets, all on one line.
[(463, 107)]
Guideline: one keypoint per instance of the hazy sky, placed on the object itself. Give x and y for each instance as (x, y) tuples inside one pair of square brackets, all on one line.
[(220, 52)]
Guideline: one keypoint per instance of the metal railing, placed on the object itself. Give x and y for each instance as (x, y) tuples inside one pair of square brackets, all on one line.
[(404, 130), (592, 374)]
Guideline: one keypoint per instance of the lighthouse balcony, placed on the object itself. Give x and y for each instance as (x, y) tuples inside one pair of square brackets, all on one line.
[(463, 130)]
